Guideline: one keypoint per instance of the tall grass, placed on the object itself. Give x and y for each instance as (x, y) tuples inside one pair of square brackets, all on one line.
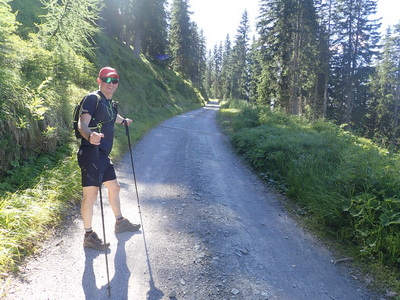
[(345, 184), (48, 189)]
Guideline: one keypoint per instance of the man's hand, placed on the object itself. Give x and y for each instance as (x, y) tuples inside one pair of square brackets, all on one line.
[(95, 138), (128, 121)]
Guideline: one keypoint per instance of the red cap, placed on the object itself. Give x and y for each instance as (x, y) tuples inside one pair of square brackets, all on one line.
[(108, 72)]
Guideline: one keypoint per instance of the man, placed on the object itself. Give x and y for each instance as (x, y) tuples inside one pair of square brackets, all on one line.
[(96, 125)]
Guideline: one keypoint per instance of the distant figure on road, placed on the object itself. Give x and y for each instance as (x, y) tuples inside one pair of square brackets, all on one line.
[(96, 125)]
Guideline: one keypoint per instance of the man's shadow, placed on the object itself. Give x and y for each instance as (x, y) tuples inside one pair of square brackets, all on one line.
[(119, 284), (89, 278)]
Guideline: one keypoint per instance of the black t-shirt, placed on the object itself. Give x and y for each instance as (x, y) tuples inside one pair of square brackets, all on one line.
[(103, 112)]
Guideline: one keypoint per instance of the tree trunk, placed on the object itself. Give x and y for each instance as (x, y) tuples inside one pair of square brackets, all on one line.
[(326, 85), (395, 119), (296, 49), (137, 43)]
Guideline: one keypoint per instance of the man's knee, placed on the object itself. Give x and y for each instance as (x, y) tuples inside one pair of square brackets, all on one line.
[(113, 186), (89, 194)]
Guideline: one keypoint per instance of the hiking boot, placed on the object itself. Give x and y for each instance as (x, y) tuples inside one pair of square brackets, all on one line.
[(125, 225), (93, 241)]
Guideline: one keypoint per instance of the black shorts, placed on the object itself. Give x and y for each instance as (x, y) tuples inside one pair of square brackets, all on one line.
[(95, 166)]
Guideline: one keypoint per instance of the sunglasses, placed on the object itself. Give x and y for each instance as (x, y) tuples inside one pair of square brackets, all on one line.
[(109, 80)]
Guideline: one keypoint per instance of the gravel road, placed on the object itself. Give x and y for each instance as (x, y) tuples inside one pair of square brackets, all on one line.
[(211, 230)]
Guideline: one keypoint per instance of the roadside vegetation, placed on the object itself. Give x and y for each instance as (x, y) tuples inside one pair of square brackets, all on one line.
[(344, 187)]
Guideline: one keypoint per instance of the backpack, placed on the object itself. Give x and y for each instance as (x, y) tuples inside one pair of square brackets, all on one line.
[(77, 114)]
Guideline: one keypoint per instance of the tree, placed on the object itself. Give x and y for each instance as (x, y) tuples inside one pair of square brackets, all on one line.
[(324, 11), (154, 32), (199, 56), (356, 43), (187, 46), (111, 19), (288, 45), (208, 74), (240, 61), (226, 69), (70, 24), (255, 71), (386, 85), (216, 86), (28, 12), (275, 32), (179, 36)]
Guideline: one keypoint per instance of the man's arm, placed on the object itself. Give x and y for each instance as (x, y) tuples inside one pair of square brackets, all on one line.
[(122, 120), (83, 127)]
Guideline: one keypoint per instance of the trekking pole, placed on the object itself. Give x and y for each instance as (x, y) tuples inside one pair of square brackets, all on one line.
[(104, 228), (133, 170), (105, 242), (140, 213)]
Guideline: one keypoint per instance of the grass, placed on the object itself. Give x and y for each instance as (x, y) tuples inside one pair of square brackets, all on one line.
[(348, 189), (27, 214)]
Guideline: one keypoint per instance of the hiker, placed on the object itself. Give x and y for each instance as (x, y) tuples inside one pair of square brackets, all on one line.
[(96, 126)]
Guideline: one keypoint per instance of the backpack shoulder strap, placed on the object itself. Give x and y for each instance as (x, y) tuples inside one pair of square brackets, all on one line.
[(96, 94)]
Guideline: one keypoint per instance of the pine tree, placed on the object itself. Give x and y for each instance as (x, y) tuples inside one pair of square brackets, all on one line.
[(355, 41), (324, 11), (180, 37), (226, 69), (275, 30), (216, 86), (386, 85), (255, 71), (288, 45), (28, 15), (304, 57), (208, 73), (154, 34), (201, 55), (240, 61), (196, 59), (111, 19), (70, 24)]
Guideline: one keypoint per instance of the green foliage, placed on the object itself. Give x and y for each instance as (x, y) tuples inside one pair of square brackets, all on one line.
[(186, 46), (385, 85), (345, 184), (239, 61), (69, 24), (7, 22), (154, 35), (28, 12), (48, 189)]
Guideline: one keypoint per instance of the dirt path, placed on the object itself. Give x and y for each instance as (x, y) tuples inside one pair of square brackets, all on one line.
[(211, 230)]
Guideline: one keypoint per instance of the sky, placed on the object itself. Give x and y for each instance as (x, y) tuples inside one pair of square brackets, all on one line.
[(217, 18)]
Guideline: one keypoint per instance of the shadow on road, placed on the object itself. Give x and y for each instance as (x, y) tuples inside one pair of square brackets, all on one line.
[(154, 293), (89, 278), (119, 283)]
